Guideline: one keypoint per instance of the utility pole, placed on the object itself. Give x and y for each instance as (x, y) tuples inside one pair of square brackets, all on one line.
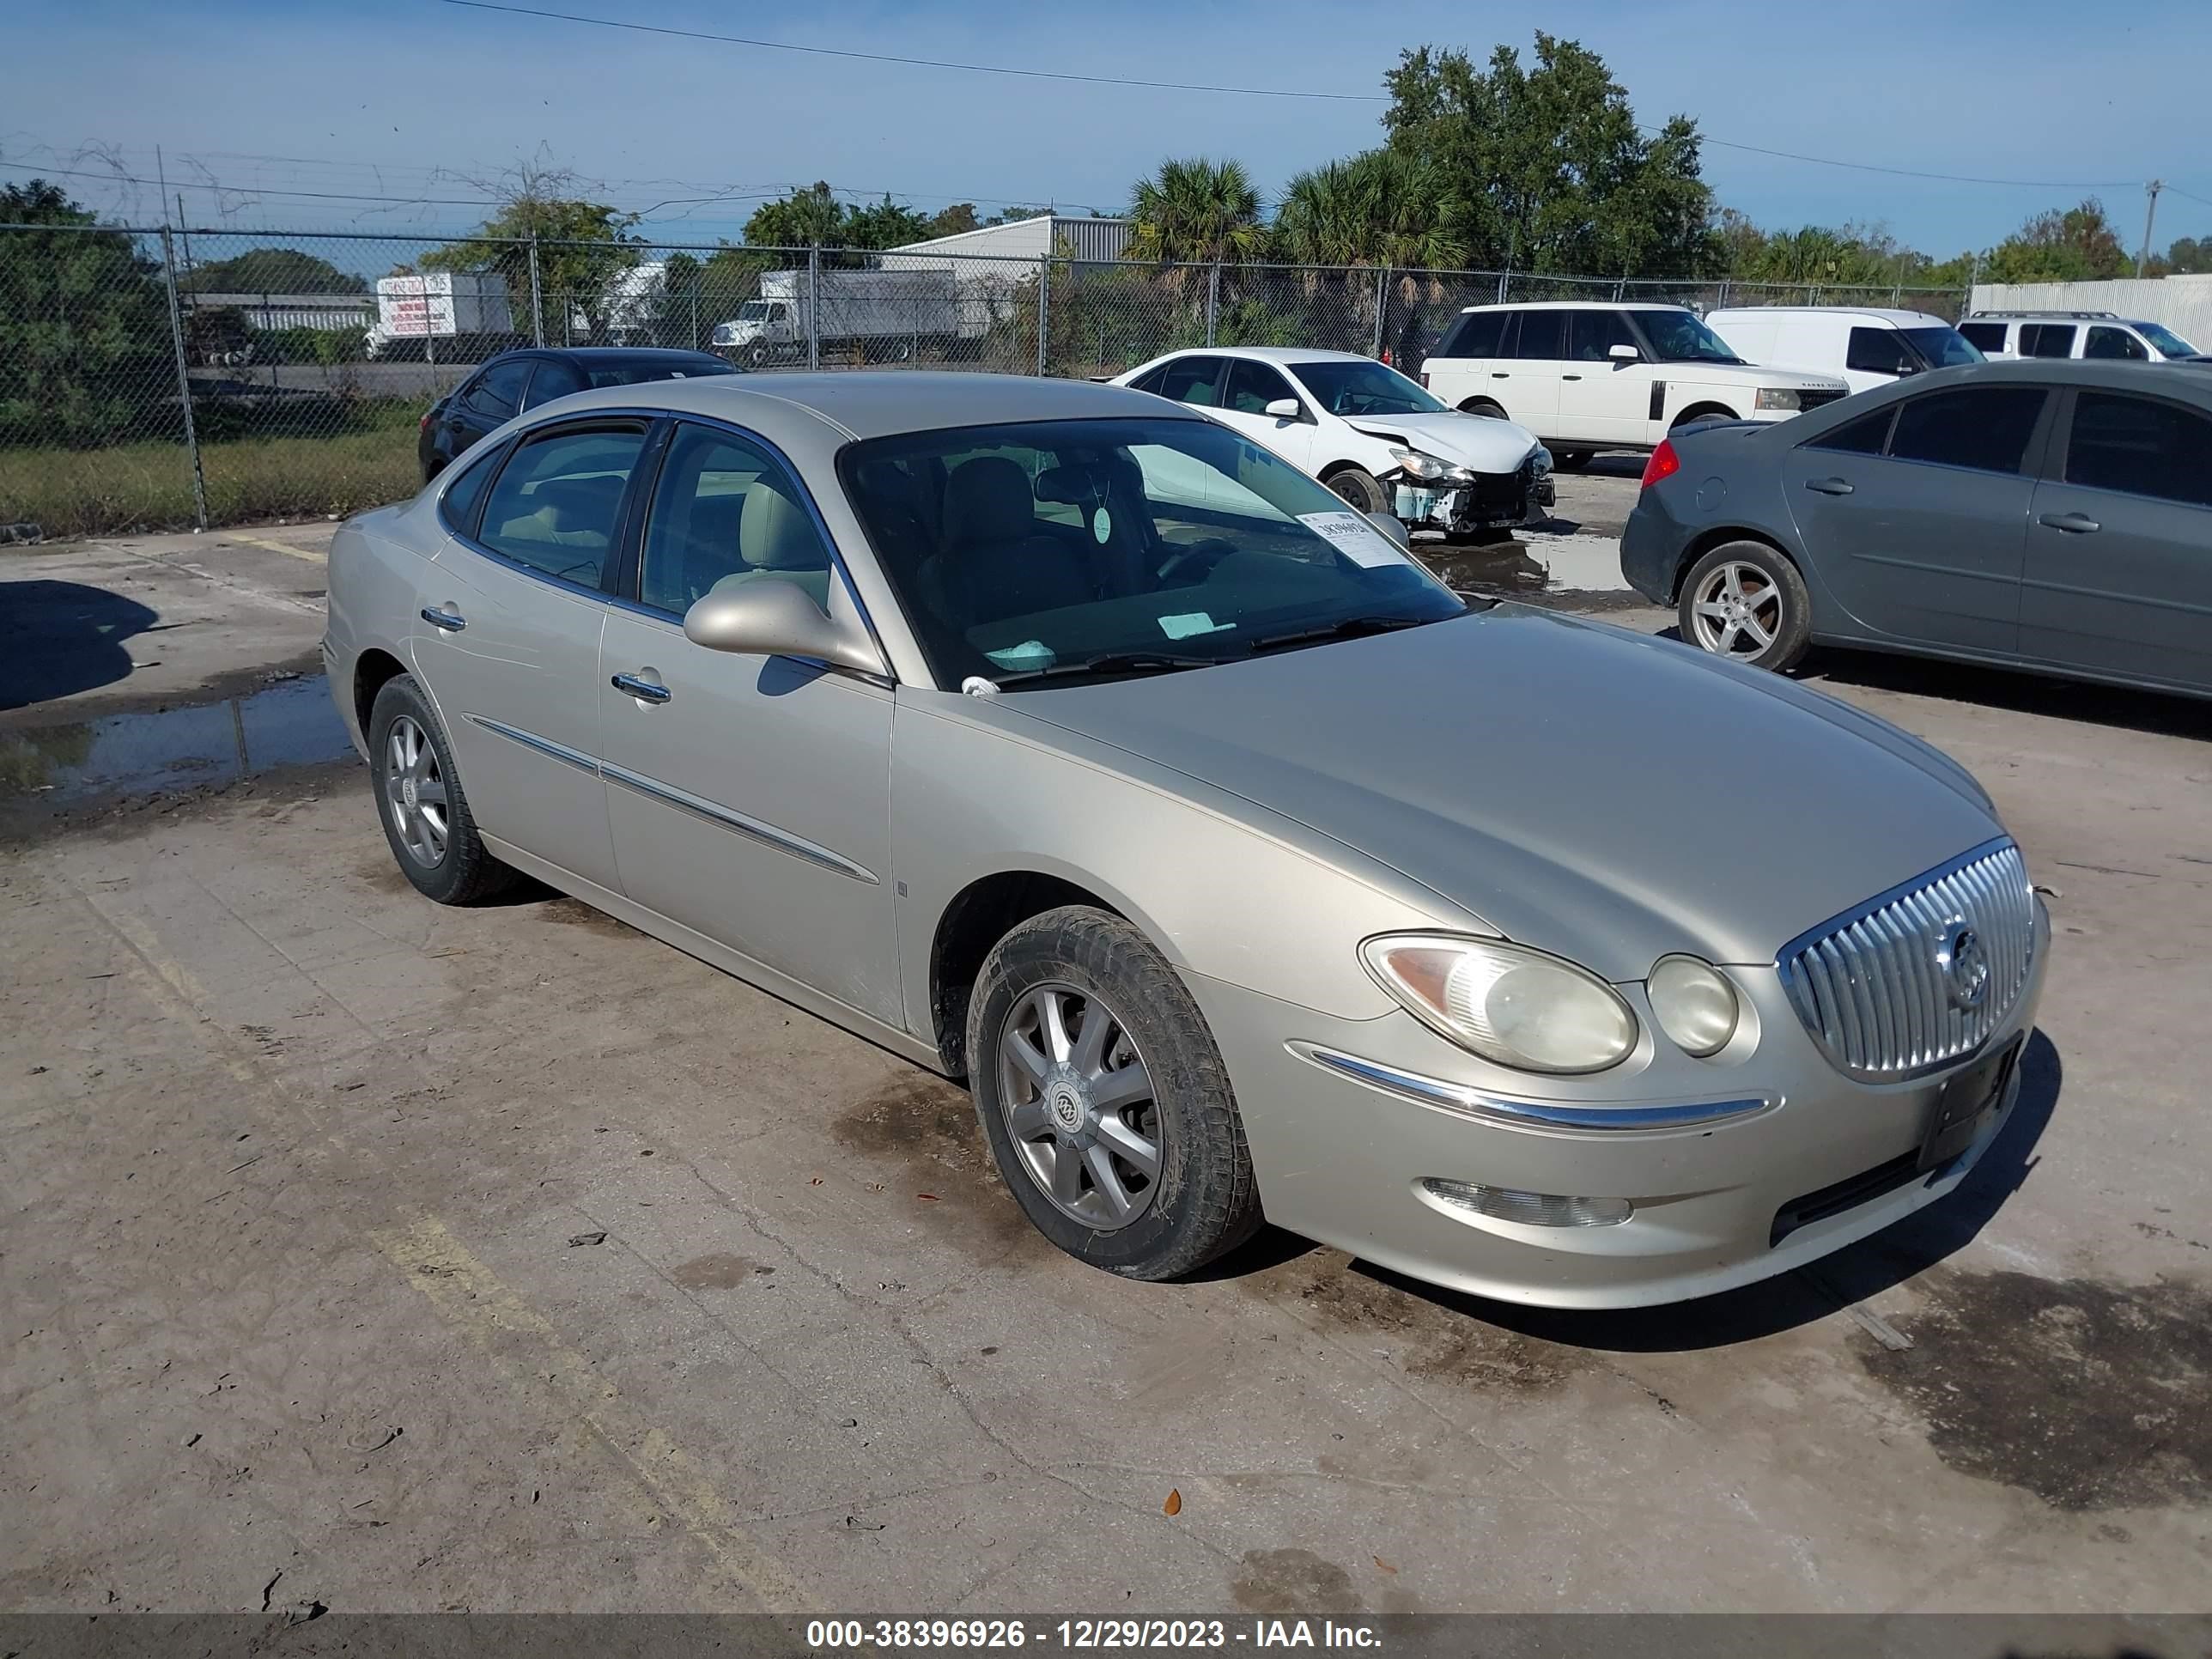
[(2150, 217)]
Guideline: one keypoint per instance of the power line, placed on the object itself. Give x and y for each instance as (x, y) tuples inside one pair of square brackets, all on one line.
[(1243, 92), (923, 62)]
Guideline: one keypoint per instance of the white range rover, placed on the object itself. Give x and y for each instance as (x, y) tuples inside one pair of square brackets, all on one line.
[(1586, 377)]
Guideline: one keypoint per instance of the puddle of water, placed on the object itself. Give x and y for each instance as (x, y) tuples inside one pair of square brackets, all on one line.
[(290, 724)]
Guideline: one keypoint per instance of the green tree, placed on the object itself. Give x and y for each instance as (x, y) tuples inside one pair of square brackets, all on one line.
[(1546, 168), (886, 224), (812, 217), (954, 221), (85, 355), (1196, 211), (1381, 207), (582, 246), (2077, 245), (2189, 256), (272, 270)]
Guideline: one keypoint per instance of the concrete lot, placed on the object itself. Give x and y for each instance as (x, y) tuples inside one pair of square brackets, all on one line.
[(363, 1253)]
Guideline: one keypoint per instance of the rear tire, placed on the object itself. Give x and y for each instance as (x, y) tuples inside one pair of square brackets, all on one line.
[(1359, 487), (1745, 602), (1121, 1141), (420, 801), (1484, 407)]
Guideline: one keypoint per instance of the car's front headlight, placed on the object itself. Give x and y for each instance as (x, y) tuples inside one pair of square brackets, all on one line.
[(1541, 460), (1694, 1003), (1777, 396), (1429, 468), (1505, 1002)]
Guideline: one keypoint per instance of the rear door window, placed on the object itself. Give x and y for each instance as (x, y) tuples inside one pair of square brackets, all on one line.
[(2140, 446), (554, 378), (557, 502), (1984, 430), (1877, 351), (1543, 337), (1984, 336), (1192, 381), (2046, 339), (496, 395), (1865, 436)]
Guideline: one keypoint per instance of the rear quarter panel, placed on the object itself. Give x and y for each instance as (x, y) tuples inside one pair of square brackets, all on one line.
[(374, 576)]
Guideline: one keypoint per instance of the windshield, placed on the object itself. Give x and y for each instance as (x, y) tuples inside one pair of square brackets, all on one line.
[(1677, 336), (1941, 347), (1343, 386), (2168, 343), (753, 310), (1039, 546)]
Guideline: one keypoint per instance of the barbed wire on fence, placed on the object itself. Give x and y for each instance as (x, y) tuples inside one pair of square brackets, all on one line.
[(158, 377)]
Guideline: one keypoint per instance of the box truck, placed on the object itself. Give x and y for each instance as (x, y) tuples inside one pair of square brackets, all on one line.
[(880, 314), (462, 306)]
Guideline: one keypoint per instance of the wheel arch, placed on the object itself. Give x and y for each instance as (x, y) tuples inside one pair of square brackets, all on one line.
[(1476, 405), (372, 670), (1699, 411), (1705, 541), (976, 918)]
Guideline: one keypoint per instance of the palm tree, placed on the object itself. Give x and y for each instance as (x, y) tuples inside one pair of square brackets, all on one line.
[(1196, 211), (1381, 207)]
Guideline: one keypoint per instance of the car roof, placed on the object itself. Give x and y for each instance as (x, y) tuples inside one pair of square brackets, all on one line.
[(1593, 302), (622, 354), (1269, 354), (1877, 313), (2114, 374), (2104, 317), (862, 403)]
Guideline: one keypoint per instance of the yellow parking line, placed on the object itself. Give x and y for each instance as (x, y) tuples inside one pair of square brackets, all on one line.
[(667, 1481), (485, 1310), (308, 554)]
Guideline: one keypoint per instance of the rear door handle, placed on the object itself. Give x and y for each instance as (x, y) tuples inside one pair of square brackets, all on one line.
[(1499, 375), (1571, 377), (2073, 524), (1829, 486), (451, 621), (643, 691)]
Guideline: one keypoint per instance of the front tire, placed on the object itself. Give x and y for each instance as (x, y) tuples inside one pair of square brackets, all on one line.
[(419, 799), (1571, 460), (1105, 1102), (1745, 602), (1359, 487)]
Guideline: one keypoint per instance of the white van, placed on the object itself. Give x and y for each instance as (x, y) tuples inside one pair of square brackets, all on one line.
[(1866, 348), (2097, 334), (1585, 377)]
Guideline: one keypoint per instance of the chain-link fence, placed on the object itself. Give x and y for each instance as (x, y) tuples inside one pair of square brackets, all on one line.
[(158, 378)]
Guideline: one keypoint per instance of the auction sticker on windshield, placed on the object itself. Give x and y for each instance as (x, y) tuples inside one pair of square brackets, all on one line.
[(1353, 536)]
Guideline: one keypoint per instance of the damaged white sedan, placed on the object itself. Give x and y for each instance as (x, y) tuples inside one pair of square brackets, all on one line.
[(1376, 437)]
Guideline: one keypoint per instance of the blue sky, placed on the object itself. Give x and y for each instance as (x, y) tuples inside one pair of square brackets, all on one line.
[(418, 98)]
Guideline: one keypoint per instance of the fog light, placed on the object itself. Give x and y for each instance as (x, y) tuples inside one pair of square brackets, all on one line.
[(1530, 1209)]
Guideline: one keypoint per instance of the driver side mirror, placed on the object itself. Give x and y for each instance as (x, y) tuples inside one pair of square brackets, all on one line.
[(769, 617), (1624, 354), (1284, 409), (1392, 529)]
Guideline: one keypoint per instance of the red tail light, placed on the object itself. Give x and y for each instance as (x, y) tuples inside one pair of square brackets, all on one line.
[(1664, 464), (423, 425)]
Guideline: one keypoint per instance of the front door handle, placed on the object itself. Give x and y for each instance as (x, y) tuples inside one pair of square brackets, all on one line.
[(643, 691), (1571, 377), (451, 621), (1829, 486), (1499, 375), (2073, 524)]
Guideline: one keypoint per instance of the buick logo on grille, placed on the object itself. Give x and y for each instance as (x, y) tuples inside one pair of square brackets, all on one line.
[(1963, 965)]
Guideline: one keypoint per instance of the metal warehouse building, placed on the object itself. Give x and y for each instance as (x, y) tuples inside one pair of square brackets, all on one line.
[(1025, 240)]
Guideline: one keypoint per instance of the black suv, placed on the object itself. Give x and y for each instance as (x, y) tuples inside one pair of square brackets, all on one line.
[(516, 380)]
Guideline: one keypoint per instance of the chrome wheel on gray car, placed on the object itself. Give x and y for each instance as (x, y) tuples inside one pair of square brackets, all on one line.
[(414, 785), (1737, 611), (1078, 1106), (1746, 602)]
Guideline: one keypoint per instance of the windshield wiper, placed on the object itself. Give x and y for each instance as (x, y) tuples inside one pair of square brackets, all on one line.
[(1112, 662), (1350, 628)]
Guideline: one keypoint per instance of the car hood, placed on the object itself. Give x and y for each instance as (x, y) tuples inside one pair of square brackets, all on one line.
[(1487, 445), (1581, 788)]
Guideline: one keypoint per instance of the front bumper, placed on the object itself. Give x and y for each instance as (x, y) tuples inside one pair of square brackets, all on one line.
[(1518, 499), (1790, 1160)]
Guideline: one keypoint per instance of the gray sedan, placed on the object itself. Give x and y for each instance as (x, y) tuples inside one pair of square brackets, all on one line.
[(2043, 514), (1056, 737)]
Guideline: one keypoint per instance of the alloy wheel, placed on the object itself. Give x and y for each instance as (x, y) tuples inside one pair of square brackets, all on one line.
[(1737, 611), (415, 788), (1079, 1108)]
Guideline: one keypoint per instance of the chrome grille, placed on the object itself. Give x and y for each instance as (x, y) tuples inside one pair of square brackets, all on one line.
[(1881, 992)]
